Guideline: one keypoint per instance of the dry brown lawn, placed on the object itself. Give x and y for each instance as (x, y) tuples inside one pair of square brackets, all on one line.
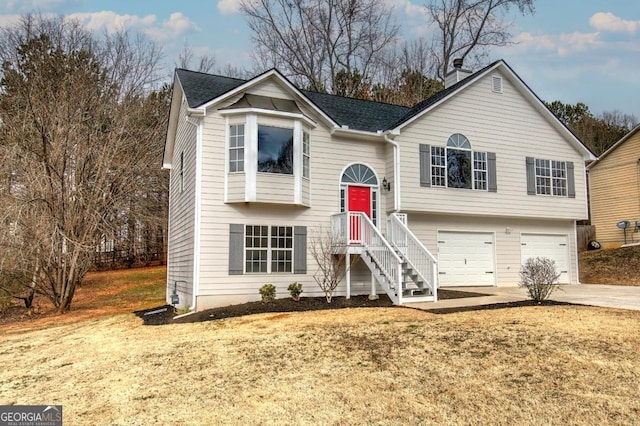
[(536, 365), (611, 266)]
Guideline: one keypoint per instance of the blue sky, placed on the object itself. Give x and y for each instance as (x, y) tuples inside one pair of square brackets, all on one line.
[(569, 50)]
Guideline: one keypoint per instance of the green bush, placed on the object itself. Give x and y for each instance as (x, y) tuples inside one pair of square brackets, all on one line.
[(268, 293), (295, 288)]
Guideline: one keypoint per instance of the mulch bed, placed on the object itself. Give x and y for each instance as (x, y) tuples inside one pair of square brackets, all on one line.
[(164, 314), (518, 304)]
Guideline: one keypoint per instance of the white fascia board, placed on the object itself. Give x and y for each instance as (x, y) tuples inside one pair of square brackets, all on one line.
[(281, 114), (177, 98), (542, 108), (357, 134), (259, 79)]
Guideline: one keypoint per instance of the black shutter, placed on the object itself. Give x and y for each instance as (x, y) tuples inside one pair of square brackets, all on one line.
[(571, 183), (299, 249), (492, 177), (531, 176), (425, 165), (236, 249)]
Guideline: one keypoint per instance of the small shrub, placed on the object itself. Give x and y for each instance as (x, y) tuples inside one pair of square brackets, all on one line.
[(540, 277), (268, 293), (295, 289)]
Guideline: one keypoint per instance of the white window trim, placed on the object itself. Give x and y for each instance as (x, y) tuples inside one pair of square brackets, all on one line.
[(473, 169), (552, 179), (269, 250)]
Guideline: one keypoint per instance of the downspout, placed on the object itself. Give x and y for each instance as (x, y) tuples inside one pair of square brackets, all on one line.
[(396, 172), (196, 225)]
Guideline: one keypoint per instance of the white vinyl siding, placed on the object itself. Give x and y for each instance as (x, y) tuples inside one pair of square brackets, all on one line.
[(180, 255), (507, 125), (320, 199)]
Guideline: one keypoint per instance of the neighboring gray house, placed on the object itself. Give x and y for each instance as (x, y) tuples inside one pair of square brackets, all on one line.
[(457, 191)]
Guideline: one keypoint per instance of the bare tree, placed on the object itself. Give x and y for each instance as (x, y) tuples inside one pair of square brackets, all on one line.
[(75, 132), (311, 41), (328, 250), (466, 28), (204, 62)]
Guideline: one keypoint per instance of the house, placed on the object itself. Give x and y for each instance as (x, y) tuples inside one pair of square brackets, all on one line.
[(614, 189), (458, 190)]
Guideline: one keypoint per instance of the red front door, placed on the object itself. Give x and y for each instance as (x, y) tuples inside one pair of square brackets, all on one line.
[(359, 201)]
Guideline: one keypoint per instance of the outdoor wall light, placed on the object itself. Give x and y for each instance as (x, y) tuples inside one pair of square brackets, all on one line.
[(386, 185)]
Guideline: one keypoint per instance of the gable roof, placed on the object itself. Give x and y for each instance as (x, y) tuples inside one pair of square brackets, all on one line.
[(362, 115), (356, 114), (615, 146)]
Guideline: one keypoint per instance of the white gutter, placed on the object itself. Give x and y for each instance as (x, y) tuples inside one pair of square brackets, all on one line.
[(197, 206), (396, 172)]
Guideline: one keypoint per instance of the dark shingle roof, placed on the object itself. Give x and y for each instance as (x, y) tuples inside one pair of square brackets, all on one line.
[(200, 88), (357, 114)]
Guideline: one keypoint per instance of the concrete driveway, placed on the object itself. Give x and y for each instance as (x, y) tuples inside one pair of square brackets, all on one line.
[(608, 296)]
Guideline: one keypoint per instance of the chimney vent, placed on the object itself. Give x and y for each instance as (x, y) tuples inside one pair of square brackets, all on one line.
[(456, 74)]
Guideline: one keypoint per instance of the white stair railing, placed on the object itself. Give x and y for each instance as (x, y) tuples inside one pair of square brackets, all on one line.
[(356, 229), (415, 254)]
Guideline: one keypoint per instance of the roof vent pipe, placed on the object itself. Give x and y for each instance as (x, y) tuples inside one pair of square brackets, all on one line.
[(457, 63)]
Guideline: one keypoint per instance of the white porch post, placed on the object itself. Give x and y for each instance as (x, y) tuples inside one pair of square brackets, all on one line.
[(347, 262), (373, 295)]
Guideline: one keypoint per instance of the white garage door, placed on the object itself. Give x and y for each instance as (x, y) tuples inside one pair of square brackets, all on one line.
[(466, 259), (552, 246)]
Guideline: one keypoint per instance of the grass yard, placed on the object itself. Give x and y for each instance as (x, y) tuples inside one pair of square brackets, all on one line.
[(530, 365), (536, 365)]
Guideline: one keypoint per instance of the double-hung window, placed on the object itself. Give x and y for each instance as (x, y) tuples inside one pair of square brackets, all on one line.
[(551, 177), (236, 148), (268, 249), (306, 155)]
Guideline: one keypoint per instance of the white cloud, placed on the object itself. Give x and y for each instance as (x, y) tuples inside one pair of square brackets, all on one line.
[(20, 6), (227, 7), (602, 21), (109, 21), (562, 44), (176, 25)]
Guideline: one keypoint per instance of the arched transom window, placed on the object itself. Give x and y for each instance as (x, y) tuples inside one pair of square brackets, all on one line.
[(359, 174), (359, 191), (459, 163), (458, 166)]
